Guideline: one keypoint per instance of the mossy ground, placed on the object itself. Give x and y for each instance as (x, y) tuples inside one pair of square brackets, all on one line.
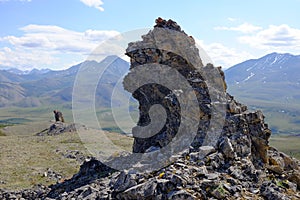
[(289, 145), (24, 158)]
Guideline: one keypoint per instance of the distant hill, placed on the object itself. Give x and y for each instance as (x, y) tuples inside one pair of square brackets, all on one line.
[(33, 71), (270, 83), (40, 87)]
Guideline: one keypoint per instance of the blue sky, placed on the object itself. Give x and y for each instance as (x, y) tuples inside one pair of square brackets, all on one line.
[(59, 33)]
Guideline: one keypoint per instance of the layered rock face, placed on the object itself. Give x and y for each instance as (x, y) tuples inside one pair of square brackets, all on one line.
[(243, 132), (239, 164), (235, 163)]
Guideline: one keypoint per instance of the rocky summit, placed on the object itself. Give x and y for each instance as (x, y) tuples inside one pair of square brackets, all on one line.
[(59, 128), (224, 155)]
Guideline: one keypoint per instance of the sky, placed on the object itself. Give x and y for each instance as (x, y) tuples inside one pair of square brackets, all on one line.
[(57, 34)]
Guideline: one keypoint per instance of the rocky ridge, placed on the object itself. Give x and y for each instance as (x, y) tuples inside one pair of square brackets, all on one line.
[(239, 165), (60, 128)]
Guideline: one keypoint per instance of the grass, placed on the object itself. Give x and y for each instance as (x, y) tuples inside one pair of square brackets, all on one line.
[(282, 115), (2, 134), (289, 145), (107, 120), (25, 157), (16, 115)]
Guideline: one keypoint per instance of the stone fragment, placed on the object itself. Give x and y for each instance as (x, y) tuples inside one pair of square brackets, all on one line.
[(227, 149), (124, 181), (201, 153), (181, 194), (142, 191), (212, 176), (271, 191), (275, 168), (294, 177)]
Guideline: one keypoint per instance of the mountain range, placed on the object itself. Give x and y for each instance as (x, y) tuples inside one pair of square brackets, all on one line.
[(270, 83), (39, 87)]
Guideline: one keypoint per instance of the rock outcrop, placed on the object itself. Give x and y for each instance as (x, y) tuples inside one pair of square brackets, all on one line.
[(243, 132), (59, 128), (238, 164)]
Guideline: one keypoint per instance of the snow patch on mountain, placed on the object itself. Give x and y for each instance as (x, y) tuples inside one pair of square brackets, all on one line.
[(250, 76)]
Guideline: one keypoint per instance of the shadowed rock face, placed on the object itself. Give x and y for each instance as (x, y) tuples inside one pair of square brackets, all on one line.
[(238, 165), (170, 48), (243, 132), (60, 128)]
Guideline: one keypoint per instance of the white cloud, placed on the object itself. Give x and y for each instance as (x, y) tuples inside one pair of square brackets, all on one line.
[(59, 39), (96, 35), (275, 38), (94, 3), (244, 28), (23, 59), (224, 56), (42, 45), (232, 19)]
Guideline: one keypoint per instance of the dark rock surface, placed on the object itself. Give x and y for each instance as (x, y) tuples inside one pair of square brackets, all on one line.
[(240, 165), (59, 128)]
